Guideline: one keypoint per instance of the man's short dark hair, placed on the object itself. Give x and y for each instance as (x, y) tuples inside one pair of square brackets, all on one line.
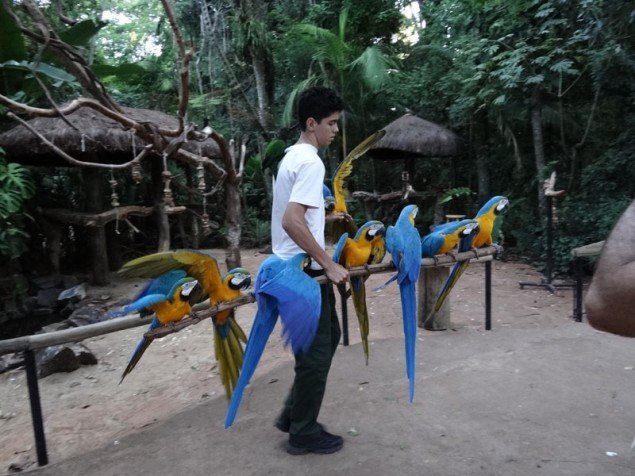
[(318, 102)]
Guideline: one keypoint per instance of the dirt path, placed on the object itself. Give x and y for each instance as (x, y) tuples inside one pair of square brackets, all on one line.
[(87, 409)]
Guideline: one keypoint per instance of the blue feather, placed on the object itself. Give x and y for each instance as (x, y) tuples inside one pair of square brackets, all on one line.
[(490, 203), (142, 345), (404, 244), (281, 288), (339, 247)]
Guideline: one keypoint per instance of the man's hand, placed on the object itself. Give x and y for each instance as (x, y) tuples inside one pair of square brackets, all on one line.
[(336, 273), (338, 216)]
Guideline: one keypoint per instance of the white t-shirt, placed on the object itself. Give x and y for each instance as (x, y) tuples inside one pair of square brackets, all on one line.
[(300, 178)]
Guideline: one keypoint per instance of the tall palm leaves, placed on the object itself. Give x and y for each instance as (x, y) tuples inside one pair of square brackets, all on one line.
[(348, 67)]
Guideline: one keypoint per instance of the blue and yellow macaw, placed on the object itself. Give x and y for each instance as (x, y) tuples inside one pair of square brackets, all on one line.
[(404, 245), (468, 231), (359, 252), (282, 288), (329, 199), (443, 238), (204, 268), (169, 298), (343, 170), (229, 337), (489, 217)]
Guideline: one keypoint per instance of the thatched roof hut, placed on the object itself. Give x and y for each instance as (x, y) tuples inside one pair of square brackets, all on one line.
[(104, 139), (413, 137)]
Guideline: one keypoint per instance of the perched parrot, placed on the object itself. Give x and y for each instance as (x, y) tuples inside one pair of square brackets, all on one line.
[(358, 252), (489, 218), (168, 296), (329, 199), (341, 173), (404, 245), (466, 230), (282, 288), (204, 268), (443, 238), (228, 335)]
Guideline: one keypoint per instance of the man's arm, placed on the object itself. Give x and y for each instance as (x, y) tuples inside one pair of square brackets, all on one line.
[(294, 224), (610, 302)]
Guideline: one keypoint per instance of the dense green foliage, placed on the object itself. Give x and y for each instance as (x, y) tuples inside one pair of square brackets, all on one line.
[(532, 86), (16, 186)]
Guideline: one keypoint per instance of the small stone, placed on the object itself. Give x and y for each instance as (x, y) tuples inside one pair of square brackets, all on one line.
[(352, 432)]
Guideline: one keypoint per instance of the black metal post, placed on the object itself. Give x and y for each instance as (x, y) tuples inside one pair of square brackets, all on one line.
[(577, 314), (342, 290), (488, 295), (549, 263), (36, 408), (547, 281)]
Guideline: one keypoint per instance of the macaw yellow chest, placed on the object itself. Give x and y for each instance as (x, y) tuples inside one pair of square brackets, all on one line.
[(167, 311), (356, 253), (223, 294), (486, 225)]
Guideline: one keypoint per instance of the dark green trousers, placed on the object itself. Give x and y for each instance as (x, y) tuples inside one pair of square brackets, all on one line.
[(303, 403)]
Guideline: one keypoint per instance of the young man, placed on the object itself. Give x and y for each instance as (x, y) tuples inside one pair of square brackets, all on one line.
[(297, 225)]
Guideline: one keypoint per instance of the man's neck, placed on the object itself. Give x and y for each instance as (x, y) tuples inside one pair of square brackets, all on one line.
[(307, 137)]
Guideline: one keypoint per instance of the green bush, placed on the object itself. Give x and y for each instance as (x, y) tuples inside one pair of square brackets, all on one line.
[(16, 186)]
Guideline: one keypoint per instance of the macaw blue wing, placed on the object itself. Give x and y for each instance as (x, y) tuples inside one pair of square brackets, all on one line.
[(138, 305), (465, 244), (157, 290), (404, 244), (163, 284), (281, 287), (339, 247), (431, 244), (299, 305)]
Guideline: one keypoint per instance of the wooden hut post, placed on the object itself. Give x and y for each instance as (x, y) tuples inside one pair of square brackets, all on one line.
[(163, 224), (96, 234)]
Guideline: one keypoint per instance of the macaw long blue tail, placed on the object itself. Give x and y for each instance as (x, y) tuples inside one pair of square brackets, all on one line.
[(260, 332), (141, 347), (453, 277), (409, 310)]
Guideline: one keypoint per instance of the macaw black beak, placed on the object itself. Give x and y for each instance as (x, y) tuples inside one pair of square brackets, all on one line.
[(246, 282)]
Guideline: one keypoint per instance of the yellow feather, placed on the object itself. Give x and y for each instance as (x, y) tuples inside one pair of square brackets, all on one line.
[(346, 167)]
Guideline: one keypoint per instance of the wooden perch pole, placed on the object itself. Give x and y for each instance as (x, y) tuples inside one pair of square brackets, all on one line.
[(202, 311)]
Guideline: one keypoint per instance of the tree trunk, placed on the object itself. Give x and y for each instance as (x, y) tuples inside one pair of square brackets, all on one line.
[(482, 171), (232, 223), (264, 106), (163, 225), (539, 146), (96, 234)]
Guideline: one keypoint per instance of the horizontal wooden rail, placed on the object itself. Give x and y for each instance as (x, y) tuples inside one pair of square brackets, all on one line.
[(203, 311)]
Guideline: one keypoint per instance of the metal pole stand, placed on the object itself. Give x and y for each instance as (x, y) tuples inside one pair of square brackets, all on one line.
[(36, 408), (547, 281)]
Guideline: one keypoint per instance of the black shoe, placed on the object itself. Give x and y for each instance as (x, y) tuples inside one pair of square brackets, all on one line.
[(323, 443)]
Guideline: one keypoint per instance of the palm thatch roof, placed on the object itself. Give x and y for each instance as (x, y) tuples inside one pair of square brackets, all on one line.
[(94, 138), (413, 137)]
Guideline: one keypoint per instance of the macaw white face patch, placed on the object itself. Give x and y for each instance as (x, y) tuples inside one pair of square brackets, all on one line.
[(187, 288)]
